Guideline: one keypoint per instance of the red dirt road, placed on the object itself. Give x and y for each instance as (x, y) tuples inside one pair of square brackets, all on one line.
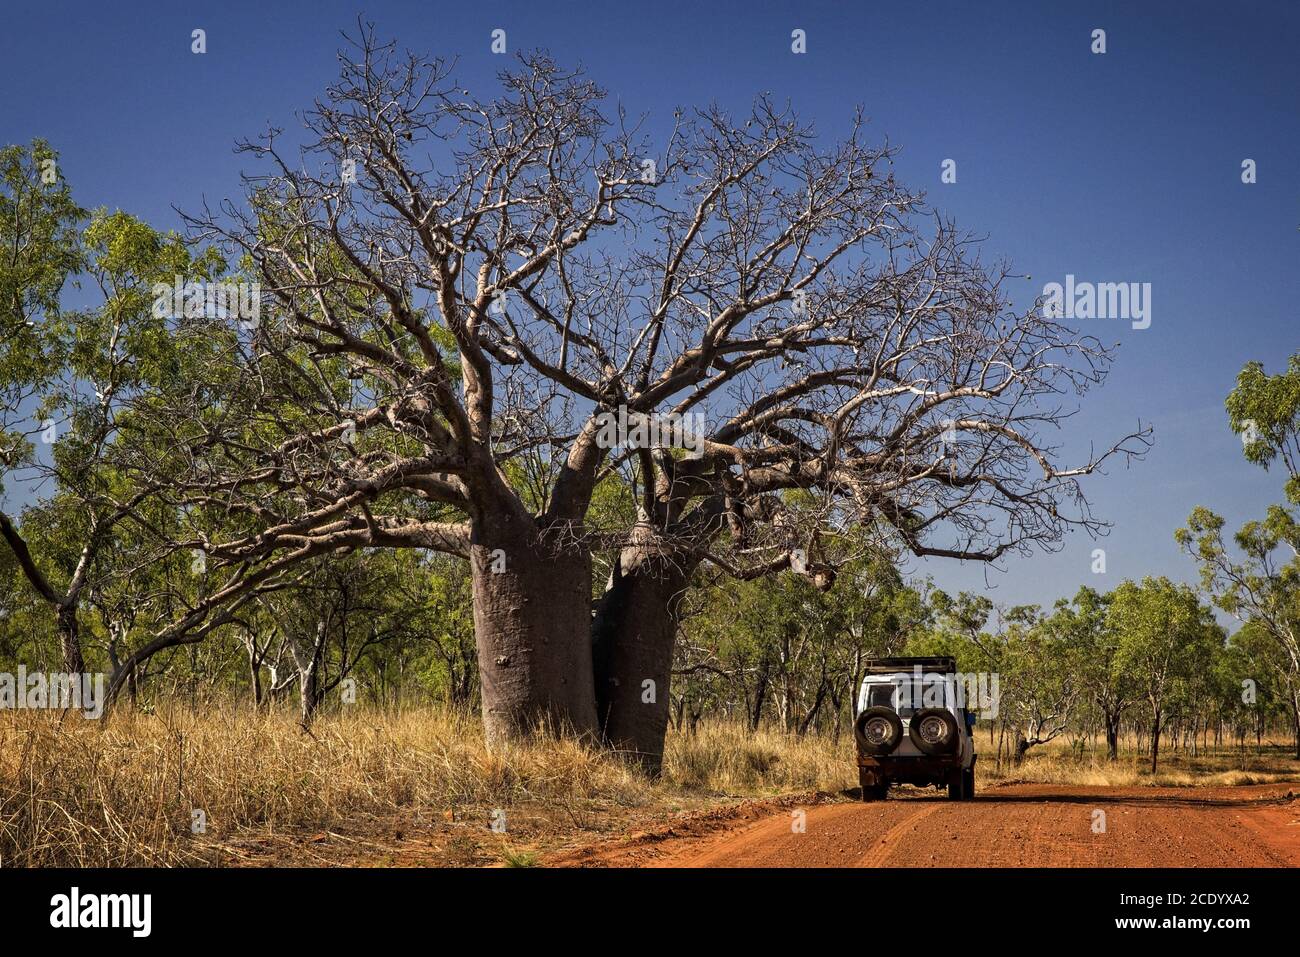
[(1013, 826)]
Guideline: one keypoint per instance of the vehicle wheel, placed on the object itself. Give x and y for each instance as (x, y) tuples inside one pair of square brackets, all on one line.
[(871, 792), (933, 731), (878, 731), (875, 792), (956, 785), (968, 784)]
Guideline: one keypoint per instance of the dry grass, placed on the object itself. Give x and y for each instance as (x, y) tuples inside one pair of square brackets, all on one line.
[(1058, 763), (75, 793), (78, 793), (82, 793), (729, 759)]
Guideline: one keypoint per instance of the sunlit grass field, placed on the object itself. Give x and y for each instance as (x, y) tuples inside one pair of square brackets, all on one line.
[(165, 789)]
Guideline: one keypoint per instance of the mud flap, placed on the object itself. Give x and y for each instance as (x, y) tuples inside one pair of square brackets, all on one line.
[(870, 777)]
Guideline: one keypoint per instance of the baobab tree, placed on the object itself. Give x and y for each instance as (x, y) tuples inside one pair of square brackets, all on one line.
[(461, 294)]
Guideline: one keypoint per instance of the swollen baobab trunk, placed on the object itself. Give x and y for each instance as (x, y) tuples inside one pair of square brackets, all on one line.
[(532, 626), (634, 634)]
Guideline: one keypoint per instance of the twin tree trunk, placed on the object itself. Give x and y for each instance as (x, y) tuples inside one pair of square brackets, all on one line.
[(545, 661)]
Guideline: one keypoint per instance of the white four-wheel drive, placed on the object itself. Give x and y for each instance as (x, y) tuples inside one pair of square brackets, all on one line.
[(913, 728)]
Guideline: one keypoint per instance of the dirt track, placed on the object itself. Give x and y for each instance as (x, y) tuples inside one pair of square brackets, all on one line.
[(1014, 826)]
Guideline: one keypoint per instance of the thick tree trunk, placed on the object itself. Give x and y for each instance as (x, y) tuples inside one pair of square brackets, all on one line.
[(633, 637), (532, 628)]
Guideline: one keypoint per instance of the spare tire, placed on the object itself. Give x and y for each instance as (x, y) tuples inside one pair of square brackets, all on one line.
[(933, 731), (878, 730)]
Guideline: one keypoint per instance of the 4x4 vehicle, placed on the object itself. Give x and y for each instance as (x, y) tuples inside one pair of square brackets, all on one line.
[(913, 728)]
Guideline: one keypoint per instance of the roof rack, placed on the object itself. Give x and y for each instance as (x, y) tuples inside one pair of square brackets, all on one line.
[(943, 664)]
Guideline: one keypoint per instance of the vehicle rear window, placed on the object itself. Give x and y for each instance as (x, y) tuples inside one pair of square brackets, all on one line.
[(906, 697), (881, 696), (911, 698), (914, 695)]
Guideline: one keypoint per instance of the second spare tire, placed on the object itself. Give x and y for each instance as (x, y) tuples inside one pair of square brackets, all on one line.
[(933, 731)]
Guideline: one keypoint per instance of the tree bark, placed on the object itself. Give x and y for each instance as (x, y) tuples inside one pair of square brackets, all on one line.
[(69, 639), (307, 660), (64, 605), (1295, 719), (760, 694), (1112, 735), (255, 679), (1155, 740), (633, 638), (532, 629), (1022, 747), (116, 664)]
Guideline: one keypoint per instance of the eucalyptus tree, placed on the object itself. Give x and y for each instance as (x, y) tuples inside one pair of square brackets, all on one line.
[(1092, 651), (1040, 691), (1167, 644), (457, 285), (1258, 581), (73, 364), (39, 233)]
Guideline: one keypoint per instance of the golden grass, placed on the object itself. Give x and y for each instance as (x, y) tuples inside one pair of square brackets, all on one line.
[(122, 793), (1058, 763), (73, 792), (81, 793), (727, 758)]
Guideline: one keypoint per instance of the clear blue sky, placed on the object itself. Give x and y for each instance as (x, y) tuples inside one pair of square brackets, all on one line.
[(1117, 167)]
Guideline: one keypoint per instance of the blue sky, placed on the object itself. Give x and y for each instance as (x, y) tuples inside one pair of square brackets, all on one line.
[(1117, 167)]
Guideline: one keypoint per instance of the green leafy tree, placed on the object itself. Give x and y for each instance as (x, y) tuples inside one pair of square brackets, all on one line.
[(1167, 641), (1092, 650), (71, 375), (1258, 582)]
